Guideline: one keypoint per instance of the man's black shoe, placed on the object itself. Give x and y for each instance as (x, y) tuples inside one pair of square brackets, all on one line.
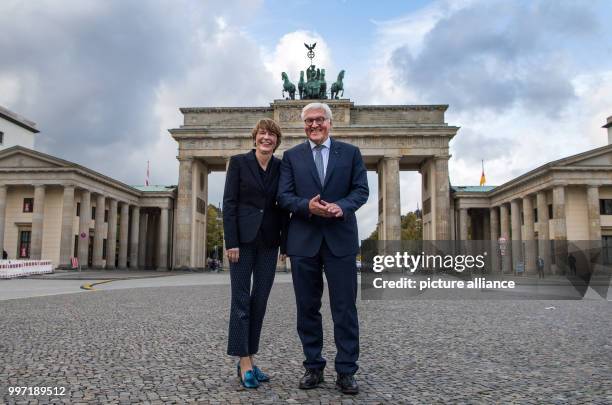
[(312, 378), (347, 384)]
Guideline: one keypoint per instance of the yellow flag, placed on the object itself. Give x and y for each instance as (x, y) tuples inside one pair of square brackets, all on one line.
[(483, 179)]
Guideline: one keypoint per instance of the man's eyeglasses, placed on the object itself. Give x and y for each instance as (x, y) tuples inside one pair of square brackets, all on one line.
[(318, 120)]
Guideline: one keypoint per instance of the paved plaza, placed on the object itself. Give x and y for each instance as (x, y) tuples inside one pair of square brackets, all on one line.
[(166, 344)]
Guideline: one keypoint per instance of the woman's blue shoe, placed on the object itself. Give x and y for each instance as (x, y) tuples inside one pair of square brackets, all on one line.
[(249, 380), (260, 375)]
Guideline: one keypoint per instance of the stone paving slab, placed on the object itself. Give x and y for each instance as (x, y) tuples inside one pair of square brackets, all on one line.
[(167, 345)]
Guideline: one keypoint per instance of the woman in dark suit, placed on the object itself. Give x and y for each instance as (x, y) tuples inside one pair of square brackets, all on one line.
[(254, 227)]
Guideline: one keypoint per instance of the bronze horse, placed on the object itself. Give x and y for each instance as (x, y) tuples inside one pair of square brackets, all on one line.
[(288, 87), (337, 86)]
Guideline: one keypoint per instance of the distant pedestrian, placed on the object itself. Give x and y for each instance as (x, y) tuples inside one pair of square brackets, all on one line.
[(540, 265), (571, 260), (4, 255)]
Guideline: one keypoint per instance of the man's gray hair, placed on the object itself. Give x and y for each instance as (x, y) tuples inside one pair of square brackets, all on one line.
[(317, 106)]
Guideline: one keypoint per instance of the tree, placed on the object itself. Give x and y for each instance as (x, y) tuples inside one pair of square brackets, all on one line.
[(411, 227), (214, 230)]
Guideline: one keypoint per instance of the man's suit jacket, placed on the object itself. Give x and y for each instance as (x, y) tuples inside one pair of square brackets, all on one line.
[(249, 206), (346, 184)]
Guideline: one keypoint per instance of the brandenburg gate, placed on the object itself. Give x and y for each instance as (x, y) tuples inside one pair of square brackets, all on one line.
[(391, 138)]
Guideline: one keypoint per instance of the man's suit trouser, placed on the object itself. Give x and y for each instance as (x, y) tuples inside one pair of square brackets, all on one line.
[(249, 305), (341, 275)]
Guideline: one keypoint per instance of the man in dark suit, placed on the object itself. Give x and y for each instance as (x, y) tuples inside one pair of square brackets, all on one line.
[(322, 183)]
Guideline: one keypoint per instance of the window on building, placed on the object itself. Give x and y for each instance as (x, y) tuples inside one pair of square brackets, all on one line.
[(28, 205), (607, 249), (550, 211), (1, 137), (201, 181), (522, 218), (605, 207), (535, 215), (105, 215), (93, 212), (103, 249), (78, 214)]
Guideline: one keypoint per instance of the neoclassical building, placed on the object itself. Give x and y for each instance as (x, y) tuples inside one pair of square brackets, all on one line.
[(54, 209)]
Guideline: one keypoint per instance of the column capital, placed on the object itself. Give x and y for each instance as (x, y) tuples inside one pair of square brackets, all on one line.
[(185, 158), (442, 157)]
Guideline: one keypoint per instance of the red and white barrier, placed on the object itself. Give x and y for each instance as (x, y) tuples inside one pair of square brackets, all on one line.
[(22, 268)]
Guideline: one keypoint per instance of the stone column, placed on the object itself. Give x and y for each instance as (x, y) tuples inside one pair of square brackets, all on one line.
[(142, 239), (543, 233), (391, 199), (37, 222), (98, 243), (515, 220), (442, 208), (152, 237), (494, 235), (162, 265), (505, 233), (184, 213), (463, 224), (67, 231), (134, 237), (123, 234), (111, 235), (593, 213), (3, 193), (84, 221), (560, 228), (530, 251)]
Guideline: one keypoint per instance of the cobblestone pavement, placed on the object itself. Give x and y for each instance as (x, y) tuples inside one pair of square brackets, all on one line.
[(167, 345)]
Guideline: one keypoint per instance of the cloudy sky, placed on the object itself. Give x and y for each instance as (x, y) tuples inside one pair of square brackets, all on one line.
[(527, 81)]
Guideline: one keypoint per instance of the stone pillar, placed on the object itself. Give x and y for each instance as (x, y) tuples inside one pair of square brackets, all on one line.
[(442, 208), (505, 233), (515, 220), (37, 222), (142, 239), (593, 213), (391, 199), (123, 234), (84, 221), (530, 250), (162, 264), (560, 229), (184, 213), (463, 224), (494, 236), (111, 234), (152, 237), (543, 232), (98, 243), (134, 237), (3, 193), (67, 231)]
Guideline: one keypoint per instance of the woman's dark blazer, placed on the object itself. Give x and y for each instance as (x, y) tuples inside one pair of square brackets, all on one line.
[(249, 206)]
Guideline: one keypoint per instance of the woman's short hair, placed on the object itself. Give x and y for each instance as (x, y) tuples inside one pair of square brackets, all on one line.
[(269, 125), (317, 106)]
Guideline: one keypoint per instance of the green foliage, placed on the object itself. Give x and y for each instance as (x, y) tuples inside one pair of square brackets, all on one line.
[(411, 227), (214, 230)]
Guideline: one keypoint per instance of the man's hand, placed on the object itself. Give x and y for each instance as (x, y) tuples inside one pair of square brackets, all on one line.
[(282, 257), (319, 207), (334, 210), (233, 254)]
